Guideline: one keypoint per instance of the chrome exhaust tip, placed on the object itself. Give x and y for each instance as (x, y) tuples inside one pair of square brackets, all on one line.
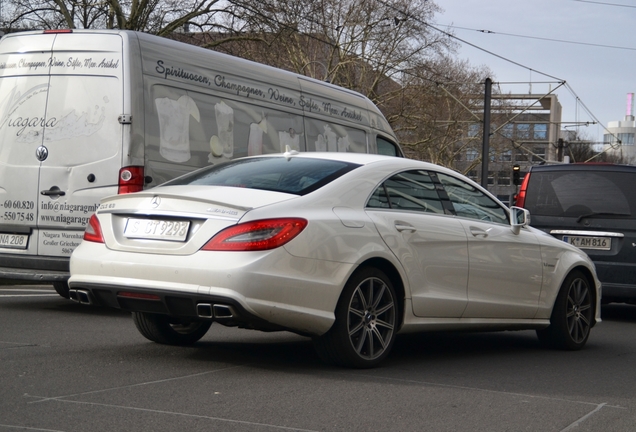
[(204, 310), (223, 311), (80, 296)]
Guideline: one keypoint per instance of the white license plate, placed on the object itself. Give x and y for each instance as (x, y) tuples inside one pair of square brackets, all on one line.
[(156, 229), (14, 241), (598, 243)]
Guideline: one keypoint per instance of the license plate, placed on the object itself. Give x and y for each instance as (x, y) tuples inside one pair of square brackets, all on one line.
[(14, 241), (156, 229), (598, 243)]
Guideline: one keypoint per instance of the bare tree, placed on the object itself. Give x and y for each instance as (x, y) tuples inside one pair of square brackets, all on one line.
[(383, 49), (161, 17)]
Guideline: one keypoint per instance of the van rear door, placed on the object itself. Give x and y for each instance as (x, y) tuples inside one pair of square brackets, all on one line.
[(60, 139)]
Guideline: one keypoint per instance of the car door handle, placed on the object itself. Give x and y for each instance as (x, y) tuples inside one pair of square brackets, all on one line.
[(478, 232), (403, 226), (54, 191)]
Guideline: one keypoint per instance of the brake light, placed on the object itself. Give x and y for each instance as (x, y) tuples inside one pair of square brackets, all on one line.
[(131, 179), (54, 31), (93, 232), (135, 295), (520, 198), (257, 235)]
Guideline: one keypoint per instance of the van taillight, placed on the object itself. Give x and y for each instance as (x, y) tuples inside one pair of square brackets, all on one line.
[(520, 198), (58, 31), (131, 179)]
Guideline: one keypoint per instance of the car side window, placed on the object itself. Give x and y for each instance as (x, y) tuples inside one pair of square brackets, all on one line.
[(470, 202), (410, 190)]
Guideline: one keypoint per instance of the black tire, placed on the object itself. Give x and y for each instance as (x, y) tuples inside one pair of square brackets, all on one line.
[(572, 315), (61, 288), (366, 322), (169, 331)]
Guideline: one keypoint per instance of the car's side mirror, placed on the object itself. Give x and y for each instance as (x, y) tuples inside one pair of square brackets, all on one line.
[(519, 218)]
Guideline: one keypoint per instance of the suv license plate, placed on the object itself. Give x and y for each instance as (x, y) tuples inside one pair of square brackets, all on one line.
[(14, 241), (598, 243), (156, 229)]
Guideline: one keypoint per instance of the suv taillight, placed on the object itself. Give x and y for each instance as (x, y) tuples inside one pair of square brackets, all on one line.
[(131, 179), (520, 198)]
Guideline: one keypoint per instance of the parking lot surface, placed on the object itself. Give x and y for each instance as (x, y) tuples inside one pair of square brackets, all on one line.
[(69, 367)]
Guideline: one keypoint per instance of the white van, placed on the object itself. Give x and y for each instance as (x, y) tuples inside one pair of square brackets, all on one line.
[(90, 113)]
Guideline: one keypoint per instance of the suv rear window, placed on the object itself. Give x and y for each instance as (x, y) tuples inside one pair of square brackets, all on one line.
[(294, 175), (577, 193)]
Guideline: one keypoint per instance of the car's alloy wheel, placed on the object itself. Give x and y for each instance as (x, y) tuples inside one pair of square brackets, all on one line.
[(366, 322), (572, 315), (170, 331)]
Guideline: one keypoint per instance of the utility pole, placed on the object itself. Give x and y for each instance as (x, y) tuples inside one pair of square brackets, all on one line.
[(485, 152)]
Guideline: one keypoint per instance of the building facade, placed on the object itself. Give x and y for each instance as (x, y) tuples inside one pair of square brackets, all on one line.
[(524, 131), (619, 141)]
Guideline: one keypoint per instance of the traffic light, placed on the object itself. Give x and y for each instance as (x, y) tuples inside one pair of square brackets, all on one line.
[(516, 174)]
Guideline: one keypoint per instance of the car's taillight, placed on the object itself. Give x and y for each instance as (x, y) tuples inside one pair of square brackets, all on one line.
[(93, 232), (257, 235), (131, 179), (520, 198)]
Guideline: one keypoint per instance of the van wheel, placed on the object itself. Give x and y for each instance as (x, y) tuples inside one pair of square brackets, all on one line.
[(366, 322), (168, 330), (61, 288), (572, 315)]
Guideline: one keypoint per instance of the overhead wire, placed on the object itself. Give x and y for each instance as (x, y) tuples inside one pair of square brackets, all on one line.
[(567, 86)]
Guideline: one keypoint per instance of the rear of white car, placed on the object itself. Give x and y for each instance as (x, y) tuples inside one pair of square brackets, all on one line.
[(241, 277)]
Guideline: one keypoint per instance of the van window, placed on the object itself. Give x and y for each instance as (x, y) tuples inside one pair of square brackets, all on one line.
[(386, 147), (573, 194), (198, 129), (324, 136)]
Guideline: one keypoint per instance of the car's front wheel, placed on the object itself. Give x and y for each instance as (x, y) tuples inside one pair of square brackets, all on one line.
[(366, 322), (572, 315), (170, 331)]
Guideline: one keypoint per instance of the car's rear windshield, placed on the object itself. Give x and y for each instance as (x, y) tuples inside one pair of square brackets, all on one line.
[(581, 193), (294, 175)]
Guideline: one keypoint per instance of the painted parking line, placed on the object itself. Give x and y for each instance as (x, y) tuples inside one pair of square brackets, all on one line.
[(28, 292)]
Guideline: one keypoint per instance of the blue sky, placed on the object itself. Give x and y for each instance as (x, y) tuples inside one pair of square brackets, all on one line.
[(599, 65)]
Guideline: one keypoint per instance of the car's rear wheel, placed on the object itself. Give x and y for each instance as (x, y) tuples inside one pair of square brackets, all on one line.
[(572, 315), (170, 331), (61, 288), (366, 322)]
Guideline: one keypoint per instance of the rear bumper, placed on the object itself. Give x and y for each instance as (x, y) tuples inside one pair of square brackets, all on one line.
[(268, 289), (619, 293), (224, 310), (37, 269)]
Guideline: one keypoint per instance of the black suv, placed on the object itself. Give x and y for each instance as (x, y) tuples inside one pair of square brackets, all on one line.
[(592, 206)]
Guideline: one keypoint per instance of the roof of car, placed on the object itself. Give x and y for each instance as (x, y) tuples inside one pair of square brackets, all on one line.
[(597, 166)]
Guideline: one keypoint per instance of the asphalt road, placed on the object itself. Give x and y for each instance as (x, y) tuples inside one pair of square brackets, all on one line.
[(68, 367)]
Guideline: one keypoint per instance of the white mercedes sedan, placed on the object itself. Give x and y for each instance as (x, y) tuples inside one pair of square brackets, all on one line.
[(348, 249)]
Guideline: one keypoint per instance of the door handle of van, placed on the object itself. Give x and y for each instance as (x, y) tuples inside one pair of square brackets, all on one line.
[(54, 191)]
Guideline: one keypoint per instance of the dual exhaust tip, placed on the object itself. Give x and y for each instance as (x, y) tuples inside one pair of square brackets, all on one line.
[(80, 296), (204, 310), (217, 311)]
